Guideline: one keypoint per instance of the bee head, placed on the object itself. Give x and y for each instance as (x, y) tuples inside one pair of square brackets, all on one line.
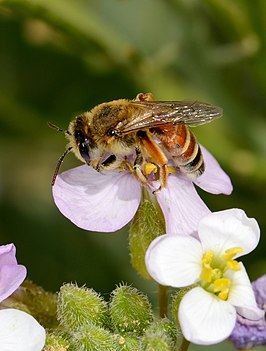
[(83, 144), (82, 139)]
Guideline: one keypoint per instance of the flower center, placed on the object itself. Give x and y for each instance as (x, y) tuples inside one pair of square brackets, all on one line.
[(214, 269)]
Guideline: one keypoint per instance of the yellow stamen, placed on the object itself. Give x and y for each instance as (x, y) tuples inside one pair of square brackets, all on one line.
[(230, 253), (213, 269), (233, 264), (149, 168), (222, 286), (223, 295), (206, 273)]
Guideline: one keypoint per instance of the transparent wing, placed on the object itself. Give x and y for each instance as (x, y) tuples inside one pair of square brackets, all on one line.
[(151, 114)]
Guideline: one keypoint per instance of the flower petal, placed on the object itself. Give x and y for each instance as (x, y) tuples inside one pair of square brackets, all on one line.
[(8, 254), (11, 276), (181, 205), (20, 331), (97, 202), (226, 229), (214, 179), (242, 295), (174, 260), (204, 318)]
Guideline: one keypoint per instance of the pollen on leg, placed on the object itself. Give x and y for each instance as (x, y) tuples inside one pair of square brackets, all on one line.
[(149, 168)]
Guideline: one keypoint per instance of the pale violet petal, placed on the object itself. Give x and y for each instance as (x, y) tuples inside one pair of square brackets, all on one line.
[(8, 254), (204, 318), (19, 331), (181, 205), (226, 229), (242, 295), (214, 179), (174, 260), (97, 202), (11, 277)]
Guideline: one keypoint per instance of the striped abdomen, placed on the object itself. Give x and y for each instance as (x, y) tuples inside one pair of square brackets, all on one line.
[(182, 145)]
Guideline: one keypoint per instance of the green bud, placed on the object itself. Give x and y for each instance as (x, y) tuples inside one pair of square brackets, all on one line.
[(176, 302), (34, 300), (161, 335), (164, 327), (91, 337), (130, 310), (147, 224), (127, 342), (77, 306), (57, 342), (156, 343)]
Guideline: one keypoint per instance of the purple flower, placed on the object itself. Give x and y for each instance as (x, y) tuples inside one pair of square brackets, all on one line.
[(106, 203), (12, 274), (248, 334)]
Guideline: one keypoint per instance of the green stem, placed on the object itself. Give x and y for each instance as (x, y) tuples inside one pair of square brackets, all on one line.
[(163, 300), (184, 345)]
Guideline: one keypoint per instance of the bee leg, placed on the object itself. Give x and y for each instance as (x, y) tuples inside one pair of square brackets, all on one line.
[(137, 168), (110, 164), (156, 154)]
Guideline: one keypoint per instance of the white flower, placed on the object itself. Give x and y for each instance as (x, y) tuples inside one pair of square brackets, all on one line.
[(19, 331), (207, 313)]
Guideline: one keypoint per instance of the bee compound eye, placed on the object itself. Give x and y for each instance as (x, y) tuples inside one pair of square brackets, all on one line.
[(84, 151)]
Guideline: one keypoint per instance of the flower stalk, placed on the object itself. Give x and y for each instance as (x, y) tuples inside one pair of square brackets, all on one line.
[(163, 300)]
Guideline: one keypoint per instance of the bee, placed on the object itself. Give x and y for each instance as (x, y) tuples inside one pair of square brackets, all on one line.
[(142, 135)]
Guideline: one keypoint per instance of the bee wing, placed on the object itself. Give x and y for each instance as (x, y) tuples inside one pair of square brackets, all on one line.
[(151, 114)]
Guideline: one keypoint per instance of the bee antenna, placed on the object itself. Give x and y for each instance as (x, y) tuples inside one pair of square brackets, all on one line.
[(58, 129), (61, 159)]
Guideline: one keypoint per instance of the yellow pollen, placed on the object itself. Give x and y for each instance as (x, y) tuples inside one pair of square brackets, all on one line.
[(149, 168), (171, 169)]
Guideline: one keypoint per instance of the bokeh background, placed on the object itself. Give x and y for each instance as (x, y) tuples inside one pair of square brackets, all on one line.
[(59, 58)]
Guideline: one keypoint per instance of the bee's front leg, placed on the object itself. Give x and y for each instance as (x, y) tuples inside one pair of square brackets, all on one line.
[(137, 167), (109, 164)]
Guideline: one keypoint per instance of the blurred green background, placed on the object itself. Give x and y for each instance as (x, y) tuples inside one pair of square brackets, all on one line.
[(59, 58)]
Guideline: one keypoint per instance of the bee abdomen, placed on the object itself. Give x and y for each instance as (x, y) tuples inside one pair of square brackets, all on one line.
[(190, 161)]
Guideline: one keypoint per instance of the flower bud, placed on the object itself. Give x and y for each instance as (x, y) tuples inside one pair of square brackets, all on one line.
[(130, 310), (91, 337), (127, 342), (56, 342), (78, 306), (147, 224)]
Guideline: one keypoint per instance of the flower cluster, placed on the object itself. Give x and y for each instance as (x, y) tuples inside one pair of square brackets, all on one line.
[(197, 255), (18, 330)]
